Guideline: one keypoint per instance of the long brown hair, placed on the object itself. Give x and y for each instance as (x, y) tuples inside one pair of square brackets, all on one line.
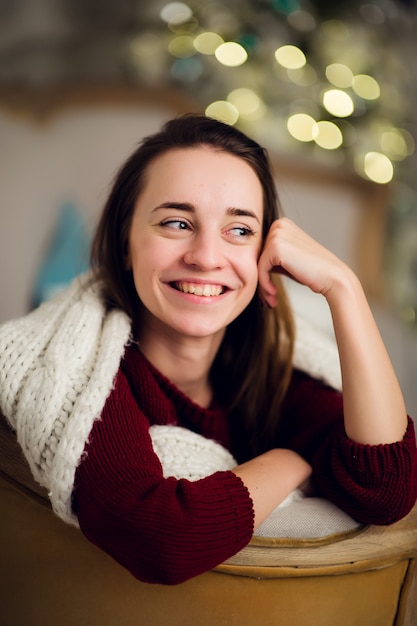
[(252, 369)]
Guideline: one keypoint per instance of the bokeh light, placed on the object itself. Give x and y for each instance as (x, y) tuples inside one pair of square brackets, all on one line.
[(366, 87), (302, 21), (335, 29), (182, 46), (327, 135), (300, 126), (339, 75), (290, 57), (185, 28), (207, 43), (397, 143), (223, 111), (378, 167), (176, 13), (231, 54), (247, 102), (338, 103)]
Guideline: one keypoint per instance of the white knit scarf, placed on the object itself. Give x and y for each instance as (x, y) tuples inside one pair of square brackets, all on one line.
[(57, 367)]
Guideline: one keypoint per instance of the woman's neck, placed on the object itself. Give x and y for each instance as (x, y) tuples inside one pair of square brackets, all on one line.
[(184, 361)]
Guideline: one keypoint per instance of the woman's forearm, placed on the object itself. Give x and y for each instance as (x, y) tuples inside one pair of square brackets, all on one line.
[(270, 477), (373, 403)]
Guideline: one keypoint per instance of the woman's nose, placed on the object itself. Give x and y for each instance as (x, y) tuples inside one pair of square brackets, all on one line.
[(205, 252)]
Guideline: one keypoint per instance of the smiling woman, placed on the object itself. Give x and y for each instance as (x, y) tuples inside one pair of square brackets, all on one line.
[(184, 322), (189, 245)]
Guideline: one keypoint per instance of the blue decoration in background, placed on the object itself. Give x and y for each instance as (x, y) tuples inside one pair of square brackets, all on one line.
[(66, 257)]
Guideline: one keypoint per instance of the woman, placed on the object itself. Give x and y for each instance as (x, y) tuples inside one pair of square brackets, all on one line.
[(188, 248)]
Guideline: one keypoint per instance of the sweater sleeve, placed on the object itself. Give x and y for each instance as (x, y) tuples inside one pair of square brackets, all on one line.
[(375, 484), (162, 530)]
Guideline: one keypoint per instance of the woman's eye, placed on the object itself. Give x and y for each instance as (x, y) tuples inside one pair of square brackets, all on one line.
[(241, 231), (175, 224)]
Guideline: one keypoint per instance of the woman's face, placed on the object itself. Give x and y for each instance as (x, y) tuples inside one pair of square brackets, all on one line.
[(194, 242)]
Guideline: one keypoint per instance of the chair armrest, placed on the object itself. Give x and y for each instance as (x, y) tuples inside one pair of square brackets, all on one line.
[(14, 467), (364, 549)]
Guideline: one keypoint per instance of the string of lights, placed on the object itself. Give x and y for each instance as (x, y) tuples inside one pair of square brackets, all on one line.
[(334, 83), (335, 86)]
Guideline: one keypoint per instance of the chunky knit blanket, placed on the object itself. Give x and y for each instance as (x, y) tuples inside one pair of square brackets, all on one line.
[(57, 367)]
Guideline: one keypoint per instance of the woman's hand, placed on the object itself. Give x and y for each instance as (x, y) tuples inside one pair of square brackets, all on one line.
[(374, 409), (289, 250)]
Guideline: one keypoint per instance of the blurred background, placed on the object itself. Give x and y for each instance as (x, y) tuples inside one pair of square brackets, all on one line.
[(329, 88)]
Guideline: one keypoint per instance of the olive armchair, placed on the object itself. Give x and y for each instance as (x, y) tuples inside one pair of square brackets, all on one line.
[(50, 574)]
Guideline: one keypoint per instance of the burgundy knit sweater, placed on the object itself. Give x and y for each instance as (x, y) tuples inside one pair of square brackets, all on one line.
[(168, 530)]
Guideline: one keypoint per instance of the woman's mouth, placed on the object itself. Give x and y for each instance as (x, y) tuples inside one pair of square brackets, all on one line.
[(198, 289)]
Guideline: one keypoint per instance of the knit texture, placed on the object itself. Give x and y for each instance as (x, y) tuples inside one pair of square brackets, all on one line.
[(186, 454), (57, 368)]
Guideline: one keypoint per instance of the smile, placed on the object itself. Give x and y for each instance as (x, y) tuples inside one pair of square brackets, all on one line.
[(207, 291)]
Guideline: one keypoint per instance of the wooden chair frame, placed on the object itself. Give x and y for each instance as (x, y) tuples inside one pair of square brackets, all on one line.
[(370, 574)]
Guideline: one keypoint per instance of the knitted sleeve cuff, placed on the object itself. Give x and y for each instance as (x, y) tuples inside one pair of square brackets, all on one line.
[(371, 464), (375, 484)]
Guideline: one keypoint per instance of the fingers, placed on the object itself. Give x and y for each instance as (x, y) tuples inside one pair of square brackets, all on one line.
[(267, 289), (290, 251), (271, 261)]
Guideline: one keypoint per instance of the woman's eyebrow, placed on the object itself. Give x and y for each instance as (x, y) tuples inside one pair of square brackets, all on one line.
[(188, 207), (180, 206), (242, 213)]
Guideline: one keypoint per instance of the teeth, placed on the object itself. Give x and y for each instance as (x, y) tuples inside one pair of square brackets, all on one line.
[(200, 290)]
